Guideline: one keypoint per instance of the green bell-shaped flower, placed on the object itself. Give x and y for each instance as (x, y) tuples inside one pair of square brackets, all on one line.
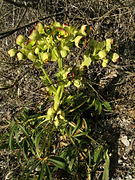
[(85, 29), (115, 57), (31, 56), (102, 54), (80, 41), (34, 35), (20, 56), (40, 28), (60, 33), (20, 39), (12, 52), (45, 57)]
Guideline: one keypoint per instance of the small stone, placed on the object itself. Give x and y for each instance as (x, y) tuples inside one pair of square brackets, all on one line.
[(125, 141), (129, 177), (124, 157), (119, 161)]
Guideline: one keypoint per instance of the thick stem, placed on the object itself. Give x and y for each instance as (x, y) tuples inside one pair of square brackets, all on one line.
[(60, 64), (51, 84)]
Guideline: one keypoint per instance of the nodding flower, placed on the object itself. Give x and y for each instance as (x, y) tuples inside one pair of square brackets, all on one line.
[(102, 54), (20, 56), (47, 30), (12, 52), (60, 33), (45, 57), (34, 35), (20, 39), (80, 41), (40, 28), (115, 57), (85, 29), (31, 56), (70, 76)]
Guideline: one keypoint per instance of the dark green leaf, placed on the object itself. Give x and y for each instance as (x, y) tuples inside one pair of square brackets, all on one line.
[(71, 164), (41, 175), (25, 149), (58, 162), (77, 126), (107, 105), (98, 154), (81, 134), (49, 176)]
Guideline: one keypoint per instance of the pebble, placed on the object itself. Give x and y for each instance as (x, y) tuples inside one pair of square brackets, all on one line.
[(129, 177), (125, 141), (120, 161)]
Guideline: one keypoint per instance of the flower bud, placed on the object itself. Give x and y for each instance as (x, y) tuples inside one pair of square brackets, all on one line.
[(45, 57), (105, 61), (20, 39), (63, 53), (34, 35), (37, 50), (31, 56), (102, 54), (12, 52), (50, 111), (109, 42), (20, 56), (115, 57), (40, 28), (80, 41), (104, 64)]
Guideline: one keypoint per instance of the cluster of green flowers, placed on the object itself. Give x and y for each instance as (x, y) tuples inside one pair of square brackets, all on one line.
[(49, 43)]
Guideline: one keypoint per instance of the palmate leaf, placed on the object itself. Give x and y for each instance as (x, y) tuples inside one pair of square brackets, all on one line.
[(86, 61), (57, 161)]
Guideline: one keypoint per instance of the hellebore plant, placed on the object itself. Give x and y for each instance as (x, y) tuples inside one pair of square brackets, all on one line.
[(35, 135)]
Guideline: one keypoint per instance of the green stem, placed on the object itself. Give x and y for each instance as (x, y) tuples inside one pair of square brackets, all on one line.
[(60, 64), (48, 79)]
